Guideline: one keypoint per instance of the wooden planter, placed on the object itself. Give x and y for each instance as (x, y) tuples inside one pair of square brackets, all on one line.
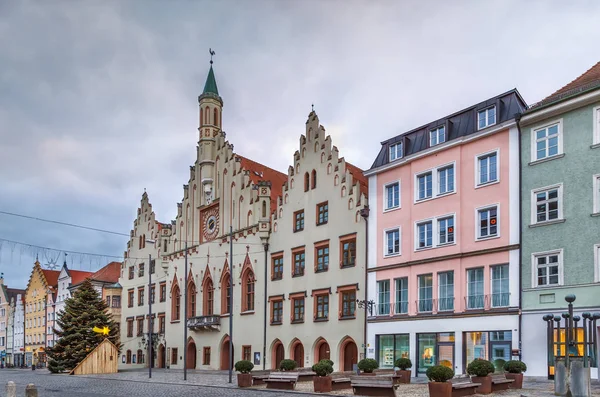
[(404, 375), (486, 384), (440, 389), (367, 373), (244, 380), (518, 380), (322, 384)]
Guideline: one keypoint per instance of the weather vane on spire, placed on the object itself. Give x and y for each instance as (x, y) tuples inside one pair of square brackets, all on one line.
[(211, 52), (312, 107)]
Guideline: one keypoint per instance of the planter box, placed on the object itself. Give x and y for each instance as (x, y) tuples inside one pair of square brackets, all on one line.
[(518, 380), (404, 376), (322, 384), (486, 384), (367, 374), (244, 380), (440, 389)]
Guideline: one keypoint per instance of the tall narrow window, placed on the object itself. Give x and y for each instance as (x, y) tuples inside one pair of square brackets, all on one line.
[(306, 182), (425, 293), (208, 295), (322, 254), (486, 117), (596, 191), (313, 183), (446, 180), (475, 298), (215, 117), (322, 213), (546, 142), (349, 303), (396, 151), (446, 230), (298, 221), (487, 168), (446, 291), (299, 263), (298, 307), (392, 195), (248, 304), (401, 295), (322, 307), (500, 281), (392, 241), (176, 303), (437, 136), (424, 186), (276, 311), (488, 222), (348, 252), (425, 234), (191, 298), (277, 272), (383, 295)]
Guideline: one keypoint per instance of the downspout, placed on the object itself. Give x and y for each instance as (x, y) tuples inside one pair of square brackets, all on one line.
[(365, 214), (264, 358), (518, 120)]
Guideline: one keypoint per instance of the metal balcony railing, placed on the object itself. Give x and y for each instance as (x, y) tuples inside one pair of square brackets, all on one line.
[(401, 308), (501, 299), (211, 323), (474, 302), (425, 305), (445, 304)]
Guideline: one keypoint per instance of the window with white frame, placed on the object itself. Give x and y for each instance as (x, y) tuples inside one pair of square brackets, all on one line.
[(425, 235), (547, 269), (446, 291), (546, 204), (596, 185), (475, 297), (487, 222), (487, 168), (401, 295), (437, 136), (436, 182), (446, 179), (434, 232), (500, 282), (597, 126), (597, 261), (392, 195), (424, 186), (396, 151), (383, 296), (425, 293), (486, 117), (546, 142), (392, 242), (446, 230)]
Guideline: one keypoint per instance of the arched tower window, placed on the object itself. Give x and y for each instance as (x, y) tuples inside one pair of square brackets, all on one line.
[(206, 115), (208, 292), (264, 208), (343, 191), (313, 179), (306, 181), (322, 157), (175, 303), (336, 180), (201, 117), (191, 291), (316, 147), (248, 293), (225, 294), (216, 117)]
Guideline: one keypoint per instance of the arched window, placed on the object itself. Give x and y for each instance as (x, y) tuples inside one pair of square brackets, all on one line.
[(343, 191), (316, 147), (140, 242), (209, 297), (297, 168), (322, 157), (275, 227), (350, 204), (216, 117), (329, 167), (128, 357), (281, 211), (264, 208), (206, 115), (306, 181), (314, 179), (175, 303), (248, 295), (225, 294), (292, 183), (303, 152), (140, 357), (249, 218), (191, 298), (201, 117), (336, 180), (286, 199)]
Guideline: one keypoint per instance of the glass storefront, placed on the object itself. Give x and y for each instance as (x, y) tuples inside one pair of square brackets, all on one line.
[(435, 349), (494, 346), (390, 348)]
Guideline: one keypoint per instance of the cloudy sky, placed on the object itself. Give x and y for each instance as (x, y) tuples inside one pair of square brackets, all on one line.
[(98, 99)]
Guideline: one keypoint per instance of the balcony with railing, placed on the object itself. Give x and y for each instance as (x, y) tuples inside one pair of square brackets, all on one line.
[(486, 302), (425, 305), (445, 304), (204, 323)]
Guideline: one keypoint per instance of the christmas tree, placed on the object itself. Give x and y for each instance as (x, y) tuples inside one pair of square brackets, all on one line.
[(84, 311)]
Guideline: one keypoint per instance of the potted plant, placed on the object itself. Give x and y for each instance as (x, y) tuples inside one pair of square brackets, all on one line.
[(439, 376), (244, 377), (367, 366), (403, 364), (514, 370), (322, 382), (480, 370), (287, 365)]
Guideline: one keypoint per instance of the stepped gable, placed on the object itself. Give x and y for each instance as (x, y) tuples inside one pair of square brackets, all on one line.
[(588, 80), (359, 177), (259, 172)]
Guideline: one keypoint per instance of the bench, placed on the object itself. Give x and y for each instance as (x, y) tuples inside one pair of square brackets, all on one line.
[(373, 386), (258, 377), (462, 386), (306, 376), (340, 384), (499, 382), (282, 380), (397, 379)]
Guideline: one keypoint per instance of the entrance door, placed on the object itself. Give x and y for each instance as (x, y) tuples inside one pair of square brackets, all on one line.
[(161, 356), (225, 356), (350, 356), (324, 351), (191, 355), (279, 355), (299, 355)]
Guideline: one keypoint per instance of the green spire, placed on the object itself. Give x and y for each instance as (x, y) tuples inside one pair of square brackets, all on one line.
[(211, 84)]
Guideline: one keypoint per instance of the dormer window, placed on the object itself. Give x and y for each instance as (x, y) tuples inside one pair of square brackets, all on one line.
[(486, 117), (437, 136), (396, 151)]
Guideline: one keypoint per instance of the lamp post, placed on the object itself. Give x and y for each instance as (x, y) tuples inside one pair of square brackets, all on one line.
[(364, 213)]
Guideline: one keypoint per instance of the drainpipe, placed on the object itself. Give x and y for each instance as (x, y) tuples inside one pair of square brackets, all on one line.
[(365, 214), (518, 120), (264, 358)]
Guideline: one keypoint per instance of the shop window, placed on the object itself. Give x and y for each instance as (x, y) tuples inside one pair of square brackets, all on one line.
[(390, 348), (435, 349)]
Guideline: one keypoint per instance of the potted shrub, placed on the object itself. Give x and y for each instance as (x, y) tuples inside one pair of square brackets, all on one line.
[(439, 376), (322, 382), (367, 366), (287, 365), (480, 371), (403, 364), (514, 370), (244, 377)]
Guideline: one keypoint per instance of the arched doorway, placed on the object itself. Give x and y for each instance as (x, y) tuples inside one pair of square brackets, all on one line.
[(225, 354), (298, 353), (350, 355), (161, 356), (128, 357), (278, 354), (191, 354), (323, 352)]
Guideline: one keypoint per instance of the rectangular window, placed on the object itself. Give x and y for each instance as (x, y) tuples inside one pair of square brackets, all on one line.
[(494, 346), (383, 297), (446, 180), (548, 269), (596, 126), (500, 290), (163, 292), (107, 304), (206, 355), (437, 136), (487, 219), (131, 272), (546, 204), (446, 291), (446, 230), (348, 252), (425, 234), (140, 326), (130, 298), (277, 311), (141, 270), (322, 213), (425, 293), (161, 324), (396, 151), (391, 348), (322, 254), (401, 295), (392, 239), (152, 266), (299, 220), (486, 117), (277, 264), (299, 262), (392, 196), (247, 353), (349, 303), (141, 296), (174, 356), (475, 298), (298, 306), (129, 327), (487, 168), (116, 301), (322, 311), (424, 186), (152, 296), (546, 142)]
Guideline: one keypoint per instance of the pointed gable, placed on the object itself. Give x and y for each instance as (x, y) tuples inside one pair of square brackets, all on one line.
[(587, 81)]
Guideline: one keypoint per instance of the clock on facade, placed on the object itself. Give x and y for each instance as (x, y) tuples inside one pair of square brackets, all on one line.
[(211, 224)]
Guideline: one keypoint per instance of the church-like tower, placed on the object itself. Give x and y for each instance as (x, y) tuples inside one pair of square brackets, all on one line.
[(210, 109)]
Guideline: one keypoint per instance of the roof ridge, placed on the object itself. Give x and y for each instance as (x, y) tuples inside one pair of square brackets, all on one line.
[(572, 81)]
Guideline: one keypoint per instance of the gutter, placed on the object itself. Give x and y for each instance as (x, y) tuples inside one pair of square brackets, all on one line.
[(518, 121)]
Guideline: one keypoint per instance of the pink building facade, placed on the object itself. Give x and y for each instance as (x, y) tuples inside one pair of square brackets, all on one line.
[(443, 267)]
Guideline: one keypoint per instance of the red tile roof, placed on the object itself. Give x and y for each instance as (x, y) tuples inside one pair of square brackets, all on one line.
[(259, 172), (51, 276), (77, 276), (589, 79), (359, 177), (109, 273)]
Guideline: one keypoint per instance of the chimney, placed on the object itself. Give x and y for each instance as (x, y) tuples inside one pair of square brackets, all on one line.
[(2, 278)]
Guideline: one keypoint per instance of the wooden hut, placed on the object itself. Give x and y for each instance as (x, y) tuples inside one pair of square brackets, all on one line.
[(104, 359)]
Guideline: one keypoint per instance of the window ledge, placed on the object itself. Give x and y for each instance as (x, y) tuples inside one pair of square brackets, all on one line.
[(297, 275), (347, 318), (321, 270), (224, 315), (247, 312), (276, 323), (320, 320), (354, 264), (550, 286), (595, 146), (595, 214), (557, 156), (277, 279), (321, 224), (391, 255), (486, 238), (175, 321), (546, 223), (391, 209), (297, 321), (298, 230), (482, 185)]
